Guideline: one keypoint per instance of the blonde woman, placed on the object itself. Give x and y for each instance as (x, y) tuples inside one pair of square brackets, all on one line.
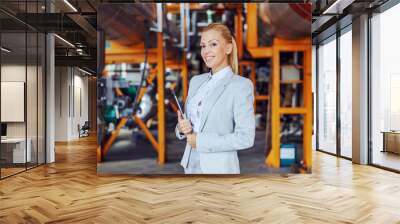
[(219, 117)]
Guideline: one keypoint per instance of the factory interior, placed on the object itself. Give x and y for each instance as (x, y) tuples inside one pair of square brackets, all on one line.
[(128, 56), (90, 91)]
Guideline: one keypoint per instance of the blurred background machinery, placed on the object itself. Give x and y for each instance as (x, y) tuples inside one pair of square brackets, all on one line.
[(147, 49)]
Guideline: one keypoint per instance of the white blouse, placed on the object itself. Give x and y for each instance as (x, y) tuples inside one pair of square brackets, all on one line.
[(196, 103)]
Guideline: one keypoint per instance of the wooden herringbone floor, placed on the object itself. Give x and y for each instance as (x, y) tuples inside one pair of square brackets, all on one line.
[(69, 191)]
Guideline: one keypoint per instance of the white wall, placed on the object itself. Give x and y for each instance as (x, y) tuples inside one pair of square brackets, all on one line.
[(62, 81), (71, 94), (81, 94)]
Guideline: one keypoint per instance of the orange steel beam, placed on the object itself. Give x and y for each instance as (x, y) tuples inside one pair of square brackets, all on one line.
[(174, 66), (133, 58), (260, 52), (174, 7), (245, 62), (252, 35), (160, 102), (307, 135), (299, 44), (292, 81), (292, 48), (282, 45), (150, 79), (118, 53), (262, 97), (98, 154), (114, 135), (239, 31), (184, 69), (116, 48), (129, 50), (118, 92), (293, 110), (119, 49), (185, 77), (273, 159), (173, 85), (152, 76), (147, 132)]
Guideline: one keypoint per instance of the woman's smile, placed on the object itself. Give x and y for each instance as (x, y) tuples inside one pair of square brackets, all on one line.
[(209, 58)]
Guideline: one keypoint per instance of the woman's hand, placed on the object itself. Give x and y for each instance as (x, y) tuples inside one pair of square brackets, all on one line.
[(184, 125), (191, 139)]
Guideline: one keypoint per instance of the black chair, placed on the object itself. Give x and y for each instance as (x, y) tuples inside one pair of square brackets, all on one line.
[(84, 130)]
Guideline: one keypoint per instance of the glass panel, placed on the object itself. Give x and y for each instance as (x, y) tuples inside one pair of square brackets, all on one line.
[(346, 94), (314, 89), (327, 96), (41, 98), (31, 86), (31, 97), (385, 84), (23, 87), (17, 9), (13, 85)]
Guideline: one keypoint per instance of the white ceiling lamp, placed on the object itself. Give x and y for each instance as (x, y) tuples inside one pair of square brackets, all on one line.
[(65, 41), (79, 51), (5, 50), (70, 5), (337, 7)]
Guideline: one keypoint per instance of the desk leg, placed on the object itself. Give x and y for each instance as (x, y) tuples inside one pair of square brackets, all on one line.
[(384, 142)]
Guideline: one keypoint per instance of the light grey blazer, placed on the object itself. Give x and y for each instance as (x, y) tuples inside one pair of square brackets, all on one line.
[(227, 124)]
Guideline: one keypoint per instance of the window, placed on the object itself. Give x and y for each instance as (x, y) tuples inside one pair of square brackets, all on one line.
[(22, 75), (346, 93), (385, 89), (327, 96)]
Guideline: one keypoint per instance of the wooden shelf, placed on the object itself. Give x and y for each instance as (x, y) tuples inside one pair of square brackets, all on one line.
[(296, 66), (260, 52), (261, 97), (292, 110), (292, 81)]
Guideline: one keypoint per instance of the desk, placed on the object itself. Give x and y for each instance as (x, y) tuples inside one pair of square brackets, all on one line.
[(391, 141), (16, 147)]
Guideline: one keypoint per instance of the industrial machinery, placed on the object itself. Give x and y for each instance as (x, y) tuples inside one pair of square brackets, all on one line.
[(135, 73), (279, 36), (156, 50)]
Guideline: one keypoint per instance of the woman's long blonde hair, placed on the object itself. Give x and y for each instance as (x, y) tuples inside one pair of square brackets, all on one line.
[(226, 34)]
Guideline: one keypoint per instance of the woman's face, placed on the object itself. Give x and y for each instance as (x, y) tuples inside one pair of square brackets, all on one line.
[(214, 50)]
